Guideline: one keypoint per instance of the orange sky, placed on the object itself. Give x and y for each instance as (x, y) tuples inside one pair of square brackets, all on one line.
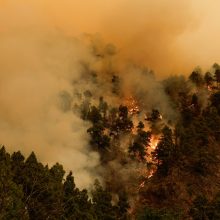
[(167, 35)]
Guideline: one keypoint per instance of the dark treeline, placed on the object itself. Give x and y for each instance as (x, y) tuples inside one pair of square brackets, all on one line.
[(30, 190), (185, 163)]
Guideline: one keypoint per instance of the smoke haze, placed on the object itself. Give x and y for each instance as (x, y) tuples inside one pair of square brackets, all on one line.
[(34, 69), (39, 58), (166, 35)]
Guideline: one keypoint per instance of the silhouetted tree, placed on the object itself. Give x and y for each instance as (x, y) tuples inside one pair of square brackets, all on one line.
[(197, 78), (208, 78), (138, 148), (11, 195), (102, 203), (165, 151)]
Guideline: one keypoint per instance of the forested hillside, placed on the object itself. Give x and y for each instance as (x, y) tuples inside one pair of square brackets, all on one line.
[(159, 147)]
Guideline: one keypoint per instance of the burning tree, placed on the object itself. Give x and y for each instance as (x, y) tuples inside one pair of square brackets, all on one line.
[(138, 148), (164, 153)]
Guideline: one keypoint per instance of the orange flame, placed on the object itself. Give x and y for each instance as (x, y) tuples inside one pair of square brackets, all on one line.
[(149, 172), (154, 142), (132, 104)]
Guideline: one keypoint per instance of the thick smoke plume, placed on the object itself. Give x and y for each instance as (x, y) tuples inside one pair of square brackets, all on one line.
[(39, 58), (35, 68), (166, 35)]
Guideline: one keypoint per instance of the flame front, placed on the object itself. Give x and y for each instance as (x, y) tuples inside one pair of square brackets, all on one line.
[(150, 166), (148, 172)]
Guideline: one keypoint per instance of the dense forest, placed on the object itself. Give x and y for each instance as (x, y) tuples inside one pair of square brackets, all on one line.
[(159, 147)]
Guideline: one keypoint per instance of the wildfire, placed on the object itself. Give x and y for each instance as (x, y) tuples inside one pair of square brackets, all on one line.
[(152, 146), (154, 142), (149, 167), (148, 172), (132, 104)]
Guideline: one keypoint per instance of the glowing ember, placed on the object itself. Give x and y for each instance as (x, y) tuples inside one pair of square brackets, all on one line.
[(142, 185), (132, 104), (151, 172), (146, 174), (210, 88)]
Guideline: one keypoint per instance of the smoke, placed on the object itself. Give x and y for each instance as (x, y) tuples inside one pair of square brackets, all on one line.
[(149, 91), (39, 58), (34, 69), (166, 35)]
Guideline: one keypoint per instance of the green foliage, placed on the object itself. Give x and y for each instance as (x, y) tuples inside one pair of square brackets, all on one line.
[(29, 190), (102, 203), (123, 123), (39, 189), (76, 204), (11, 195), (99, 140)]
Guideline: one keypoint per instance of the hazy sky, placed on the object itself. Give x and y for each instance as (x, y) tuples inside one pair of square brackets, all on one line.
[(167, 35)]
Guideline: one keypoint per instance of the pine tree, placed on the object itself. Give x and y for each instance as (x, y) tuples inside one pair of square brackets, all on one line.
[(102, 203), (164, 154), (99, 140), (196, 78), (122, 123), (69, 195), (208, 78), (138, 149), (123, 206), (11, 195)]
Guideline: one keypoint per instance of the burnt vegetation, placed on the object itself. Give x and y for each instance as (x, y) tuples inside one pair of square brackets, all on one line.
[(175, 178)]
